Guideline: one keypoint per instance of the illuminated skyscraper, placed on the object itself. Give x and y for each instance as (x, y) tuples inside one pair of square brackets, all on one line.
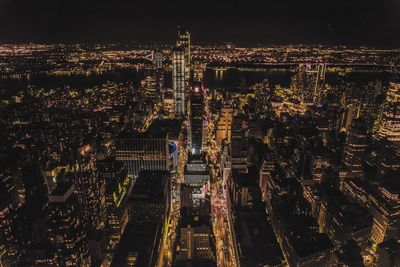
[(178, 80), (184, 42), (308, 82), (115, 186), (198, 73), (239, 144), (87, 185), (150, 86), (196, 118), (224, 124), (346, 117), (11, 249), (356, 144), (66, 230), (158, 59), (388, 125)]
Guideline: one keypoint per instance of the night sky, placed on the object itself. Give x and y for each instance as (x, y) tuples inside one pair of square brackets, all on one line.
[(354, 22)]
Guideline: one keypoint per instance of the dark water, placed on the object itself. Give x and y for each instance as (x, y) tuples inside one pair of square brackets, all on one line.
[(224, 80), (234, 78)]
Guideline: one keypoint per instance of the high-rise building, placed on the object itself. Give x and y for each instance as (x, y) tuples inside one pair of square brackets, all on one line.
[(195, 241), (225, 161), (356, 144), (11, 250), (197, 177), (115, 187), (198, 73), (308, 82), (87, 185), (224, 124), (184, 42), (388, 124), (388, 253), (179, 80), (383, 204), (388, 159), (143, 151), (150, 200), (158, 59), (346, 117), (244, 189), (149, 86), (239, 144), (196, 118), (66, 229)]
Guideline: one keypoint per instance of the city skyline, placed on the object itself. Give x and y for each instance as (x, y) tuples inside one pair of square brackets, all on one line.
[(202, 155)]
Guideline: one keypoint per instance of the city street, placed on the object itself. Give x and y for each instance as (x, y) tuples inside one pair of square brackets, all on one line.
[(226, 249), (168, 243)]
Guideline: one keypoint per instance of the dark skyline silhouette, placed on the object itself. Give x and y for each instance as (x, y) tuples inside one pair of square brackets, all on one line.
[(351, 22)]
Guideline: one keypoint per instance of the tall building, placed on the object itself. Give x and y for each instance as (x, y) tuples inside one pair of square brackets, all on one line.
[(150, 87), (158, 73), (224, 124), (243, 188), (198, 73), (388, 253), (388, 125), (11, 250), (195, 242), (179, 80), (388, 159), (143, 151), (87, 185), (308, 82), (383, 203), (150, 200), (196, 118), (197, 176), (239, 144), (115, 187), (346, 117), (356, 144), (158, 59), (184, 42), (66, 230)]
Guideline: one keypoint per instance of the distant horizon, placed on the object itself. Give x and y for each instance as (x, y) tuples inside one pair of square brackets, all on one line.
[(237, 45)]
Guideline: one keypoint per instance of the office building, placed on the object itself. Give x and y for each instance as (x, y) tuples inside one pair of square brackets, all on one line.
[(388, 253), (158, 58), (150, 87), (308, 82), (239, 144), (10, 242), (244, 189), (196, 118), (195, 242), (143, 151), (356, 144), (184, 43), (388, 124), (197, 176), (179, 80), (346, 117), (198, 73), (66, 229), (224, 124), (151, 198), (115, 187)]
